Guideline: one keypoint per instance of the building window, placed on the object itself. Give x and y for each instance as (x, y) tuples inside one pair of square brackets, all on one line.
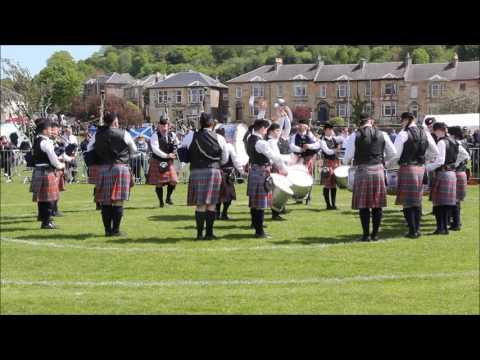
[(279, 90), (436, 89), (323, 91), (413, 108), (463, 87), (390, 109), (368, 108), (178, 96), (238, 92), (162, 97), (343, 90), (368, 89), (195, 96), (343, 110), (390, 89), (258, 91), (300, 90), (414, 92)]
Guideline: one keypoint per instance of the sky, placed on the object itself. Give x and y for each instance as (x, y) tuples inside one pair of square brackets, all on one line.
[(34, 57)]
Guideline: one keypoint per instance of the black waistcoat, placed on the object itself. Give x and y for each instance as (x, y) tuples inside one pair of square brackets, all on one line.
[(463, 165), (451, 151), (40, 156), (205, 151), (253, 154), (166, 145), (110, 147), (415, 147), (331, 144), (369, 146)]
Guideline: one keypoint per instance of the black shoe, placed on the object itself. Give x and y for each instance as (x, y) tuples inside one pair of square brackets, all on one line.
[(118, 233), (58, 214), (169, 201), (263, 236), (199, 237), (210, 237), (49, 225), (364, 238), (217, 216), (98, 206), (162, 205), (252, 226), (411, 236), (440, 232), (454, 228), (418, 234), (334, 208), (374, 237), (278, 218), (329, 207), (39, 218), (108, 233), (225, 217)]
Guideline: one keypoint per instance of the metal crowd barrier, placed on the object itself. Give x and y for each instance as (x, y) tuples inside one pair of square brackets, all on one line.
[(475, 163)]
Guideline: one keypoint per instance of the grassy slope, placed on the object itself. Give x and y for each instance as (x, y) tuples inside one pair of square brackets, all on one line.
[(150, 228)]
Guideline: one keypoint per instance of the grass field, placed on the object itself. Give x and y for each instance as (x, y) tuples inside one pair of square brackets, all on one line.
[(311, 265)]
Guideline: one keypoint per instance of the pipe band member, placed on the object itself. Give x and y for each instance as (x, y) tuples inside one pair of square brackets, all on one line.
[(44, 185), (161, 169), (260, 158), (367, 147), (113, 147), (412, 143), (207, 152), (92, 169), (444, 189), (461, 173), (329, 144), (227, 190)]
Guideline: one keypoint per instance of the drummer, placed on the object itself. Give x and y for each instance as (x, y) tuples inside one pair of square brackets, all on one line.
[(412, 143), (367, 148), (261, 155)]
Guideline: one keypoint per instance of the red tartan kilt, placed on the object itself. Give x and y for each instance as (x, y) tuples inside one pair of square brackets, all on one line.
[(461, 185), (61, 179), (204, 187), (369, 189), (227, 190), (112, 183), (44, 186), (92, 173), (444, 189), (330, 181), (155, 177), (410, 186), (258, 197)]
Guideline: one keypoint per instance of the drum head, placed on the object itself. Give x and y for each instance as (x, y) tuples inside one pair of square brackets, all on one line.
[(282, 183), (300, 178), (341, 171)]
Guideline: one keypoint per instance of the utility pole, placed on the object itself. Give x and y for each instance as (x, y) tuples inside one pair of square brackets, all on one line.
[(102, 106)]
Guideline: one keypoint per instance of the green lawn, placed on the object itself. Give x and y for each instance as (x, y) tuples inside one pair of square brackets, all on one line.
[(311, 265)]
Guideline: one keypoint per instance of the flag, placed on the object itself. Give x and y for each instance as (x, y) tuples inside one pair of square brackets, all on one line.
[(146, 131)]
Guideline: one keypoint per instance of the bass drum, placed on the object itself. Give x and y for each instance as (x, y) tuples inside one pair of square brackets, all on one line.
[(351, 178), (341, 176), (392, 181), (301, 181), (281, 191)]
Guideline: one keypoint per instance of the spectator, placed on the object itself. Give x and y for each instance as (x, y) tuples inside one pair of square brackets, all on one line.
[(6, 157)]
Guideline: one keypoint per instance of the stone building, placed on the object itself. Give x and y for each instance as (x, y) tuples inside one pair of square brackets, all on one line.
[(113, 84), (138, 91), (384, 90)]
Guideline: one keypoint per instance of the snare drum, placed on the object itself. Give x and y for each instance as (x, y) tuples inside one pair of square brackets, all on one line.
[(301, 182), (281, 191), (341, 176)]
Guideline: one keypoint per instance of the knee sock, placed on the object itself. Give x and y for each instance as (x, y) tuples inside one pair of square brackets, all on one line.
[(418, 217), (217, 208), (45, 212), (447, 212), (159, 191), (117, 214), (107, 218), (210, 220), (260, 216), (39, 210), (410, 216), (226, 205), (200, 220), (438, 219), (365, 220), (170, 189), (326, 197), (333, 194), (252, 215), (456, 216), (54, 207), (376, 220)]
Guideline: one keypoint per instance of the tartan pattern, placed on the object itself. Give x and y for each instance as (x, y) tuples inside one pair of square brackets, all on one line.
[(112, 183), (369, 189), (410, 186), (155, 177), (258, 197), (44, 185), (461, 185), (330, 181), (61, 179), (444, 189), (309, 162), (92, 173), (227, 190), (204, 186)]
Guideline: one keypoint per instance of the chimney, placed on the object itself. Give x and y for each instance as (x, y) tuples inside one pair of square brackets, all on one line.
[(320, 61), (408, 60), (157, 77), (362, 63), (278, 63), (455, 60)]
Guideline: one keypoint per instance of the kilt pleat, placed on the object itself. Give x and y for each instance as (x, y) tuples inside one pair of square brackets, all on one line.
[(61, 179), (155, 177), (444, 189), (227, 190), (44, 185), (330, 181), (410, 186), (112, 183), (369, 189), (92, 173), (461, 185), (258, 196), (204, 186)]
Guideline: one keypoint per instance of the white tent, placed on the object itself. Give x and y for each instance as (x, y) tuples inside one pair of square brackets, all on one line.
[(8, 128), (470, 121)]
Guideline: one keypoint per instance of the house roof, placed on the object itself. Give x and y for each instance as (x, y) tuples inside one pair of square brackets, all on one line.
[(113, 78), (465, 70), (285, 72), (188, 79)]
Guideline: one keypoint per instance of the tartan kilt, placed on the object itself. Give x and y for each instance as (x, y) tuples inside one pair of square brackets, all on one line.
[(44, 185), (330, 181), (227, 190), (155, 177), (461, 185), (204, 186), (444, 189), (258, 197), (61, 179), (92, 173), (112, 183), (369, 189), (309, 162), (410, 186)]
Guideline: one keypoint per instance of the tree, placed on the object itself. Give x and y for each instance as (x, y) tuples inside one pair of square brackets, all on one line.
[(459, 102), (420, 56), (357, 108), (337, 121), (125, 61), (468, 52)]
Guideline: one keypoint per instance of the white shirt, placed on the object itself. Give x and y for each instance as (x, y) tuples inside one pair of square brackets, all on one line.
[(47, 146), (156, 148), (286, 125), (263, 147), (126, 137), (322, 144), (233, 154), (390, 150), (70, 139), (440, 159), (276, 150), (187, 141), (298, 149), (401, 139)]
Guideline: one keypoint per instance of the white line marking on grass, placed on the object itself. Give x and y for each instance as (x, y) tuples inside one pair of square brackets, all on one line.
[(252, 282)]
